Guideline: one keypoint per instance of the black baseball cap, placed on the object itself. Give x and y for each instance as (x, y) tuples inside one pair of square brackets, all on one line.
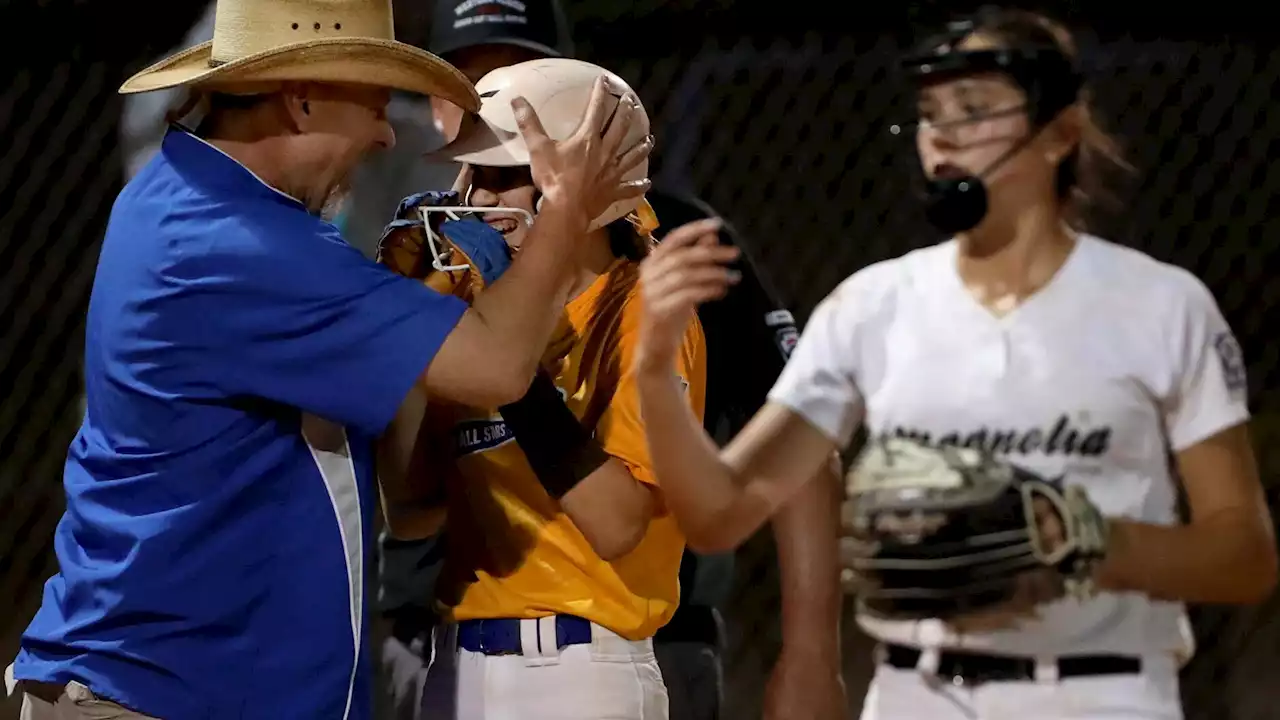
[(538, 25)]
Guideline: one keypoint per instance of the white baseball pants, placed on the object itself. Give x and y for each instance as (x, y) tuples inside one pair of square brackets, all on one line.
[(610, 679), (898, 694)]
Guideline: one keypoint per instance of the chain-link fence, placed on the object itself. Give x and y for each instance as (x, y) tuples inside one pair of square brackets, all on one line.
[(785, 136)]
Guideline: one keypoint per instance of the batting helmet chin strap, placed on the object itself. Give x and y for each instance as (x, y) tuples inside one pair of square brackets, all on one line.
[(644, 219)]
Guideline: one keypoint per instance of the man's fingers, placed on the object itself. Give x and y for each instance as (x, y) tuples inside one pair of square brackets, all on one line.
[(529, 124), (631, 188), (634, 156), (598, 108), (618, 125)]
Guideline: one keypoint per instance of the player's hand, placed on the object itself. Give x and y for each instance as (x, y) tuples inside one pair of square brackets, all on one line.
[(583, 173), (805, 687), (687, 268)]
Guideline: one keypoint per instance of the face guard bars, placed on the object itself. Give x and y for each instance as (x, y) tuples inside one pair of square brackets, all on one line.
[(437, 246)]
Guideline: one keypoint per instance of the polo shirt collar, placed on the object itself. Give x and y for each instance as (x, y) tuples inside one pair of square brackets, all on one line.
[(205, 165)]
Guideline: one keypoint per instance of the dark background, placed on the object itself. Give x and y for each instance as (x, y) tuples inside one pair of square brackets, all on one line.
[(777, 115)]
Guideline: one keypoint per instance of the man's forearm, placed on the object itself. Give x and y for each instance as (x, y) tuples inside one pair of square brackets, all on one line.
[(805, 531), (522, 308), (1212, 561)]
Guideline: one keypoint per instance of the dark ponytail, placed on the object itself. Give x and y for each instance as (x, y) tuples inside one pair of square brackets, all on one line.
[(1083, 179), (626, 241)]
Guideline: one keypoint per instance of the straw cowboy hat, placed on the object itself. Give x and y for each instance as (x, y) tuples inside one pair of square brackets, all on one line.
[(260, 42), (559, 89)]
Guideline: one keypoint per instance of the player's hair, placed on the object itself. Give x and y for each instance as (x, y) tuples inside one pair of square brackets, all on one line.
[(627, 242), (1084, 176)]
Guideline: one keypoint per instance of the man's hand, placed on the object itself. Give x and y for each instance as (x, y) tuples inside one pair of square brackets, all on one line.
[(583, 173), (685, 270), (806, 686)]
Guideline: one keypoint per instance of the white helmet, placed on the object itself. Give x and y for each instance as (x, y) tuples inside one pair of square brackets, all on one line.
[(559, 90)]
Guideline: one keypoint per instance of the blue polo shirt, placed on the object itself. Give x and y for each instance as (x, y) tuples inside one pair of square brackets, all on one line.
[(240, 358)]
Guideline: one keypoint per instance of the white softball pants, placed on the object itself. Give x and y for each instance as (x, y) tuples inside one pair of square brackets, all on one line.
[(610, 679), (898, 694)]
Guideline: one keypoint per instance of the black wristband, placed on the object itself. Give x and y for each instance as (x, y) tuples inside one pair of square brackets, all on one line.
[(560, 450)]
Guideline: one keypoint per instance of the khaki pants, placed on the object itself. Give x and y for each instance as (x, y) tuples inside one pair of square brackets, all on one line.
[(42, 701)]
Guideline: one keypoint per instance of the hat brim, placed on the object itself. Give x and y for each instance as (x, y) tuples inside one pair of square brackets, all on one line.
[(360, 61)]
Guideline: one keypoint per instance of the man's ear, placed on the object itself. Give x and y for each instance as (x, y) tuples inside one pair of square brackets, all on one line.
[(297, 105), (447, 117)]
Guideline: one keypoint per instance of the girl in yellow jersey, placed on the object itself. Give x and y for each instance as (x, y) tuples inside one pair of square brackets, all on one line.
[(562, 559)]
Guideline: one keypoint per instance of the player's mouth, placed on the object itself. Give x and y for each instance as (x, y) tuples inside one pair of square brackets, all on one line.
[(947, 171), (504, 224)]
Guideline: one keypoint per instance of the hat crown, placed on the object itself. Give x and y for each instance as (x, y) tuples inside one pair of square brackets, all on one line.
[(247, 27)]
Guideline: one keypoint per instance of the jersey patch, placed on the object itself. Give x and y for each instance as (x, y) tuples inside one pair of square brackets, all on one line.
[(1232, 359), (786, 338), (473, 436), (785, 334)]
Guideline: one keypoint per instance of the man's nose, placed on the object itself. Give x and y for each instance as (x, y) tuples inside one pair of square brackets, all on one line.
[(386, 136)]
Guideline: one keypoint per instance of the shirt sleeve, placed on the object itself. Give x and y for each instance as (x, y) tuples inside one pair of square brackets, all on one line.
[(329, 332), (1210, 389), (818, 381), (620, 431)]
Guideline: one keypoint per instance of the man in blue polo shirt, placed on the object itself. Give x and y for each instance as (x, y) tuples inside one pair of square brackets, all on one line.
[(240, 361)]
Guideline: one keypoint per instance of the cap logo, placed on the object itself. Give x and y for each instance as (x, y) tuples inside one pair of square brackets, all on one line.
[(491, 12)]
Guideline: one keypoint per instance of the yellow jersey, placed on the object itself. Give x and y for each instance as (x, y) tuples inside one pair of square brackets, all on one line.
[(511, 550)]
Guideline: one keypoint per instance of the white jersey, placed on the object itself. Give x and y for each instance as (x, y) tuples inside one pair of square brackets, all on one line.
[(1118, 360)]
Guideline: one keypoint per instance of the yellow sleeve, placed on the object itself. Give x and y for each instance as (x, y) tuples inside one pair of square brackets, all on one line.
[(620, 430)]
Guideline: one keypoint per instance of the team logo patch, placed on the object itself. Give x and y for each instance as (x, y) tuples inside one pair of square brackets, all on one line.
[(786, 338), (785, 335), (1232, 359), (473, 436)]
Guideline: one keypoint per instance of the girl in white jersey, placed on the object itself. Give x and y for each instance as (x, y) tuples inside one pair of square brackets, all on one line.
[(1056, 350)]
